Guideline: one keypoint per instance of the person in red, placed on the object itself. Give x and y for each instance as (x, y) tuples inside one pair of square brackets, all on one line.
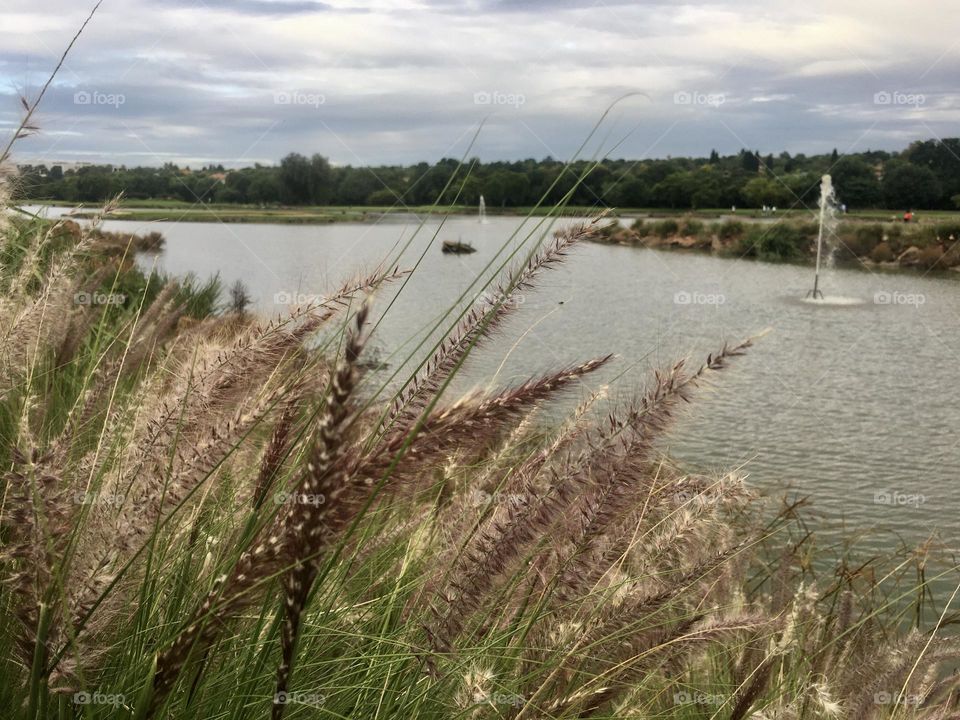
[(908, 216)]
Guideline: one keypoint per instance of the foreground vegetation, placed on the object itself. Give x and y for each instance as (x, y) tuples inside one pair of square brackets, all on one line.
[(207, 514)]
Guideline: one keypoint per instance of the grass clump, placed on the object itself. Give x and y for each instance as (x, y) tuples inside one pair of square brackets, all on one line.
[(730, 231), (665, 228), (775, 242)]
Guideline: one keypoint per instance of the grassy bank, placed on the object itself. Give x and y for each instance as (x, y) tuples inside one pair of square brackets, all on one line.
[(212, 515), (180, 211), (892, 245)]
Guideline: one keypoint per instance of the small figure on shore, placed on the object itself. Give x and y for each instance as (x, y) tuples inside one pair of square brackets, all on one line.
[(908, 216), (733, 209)]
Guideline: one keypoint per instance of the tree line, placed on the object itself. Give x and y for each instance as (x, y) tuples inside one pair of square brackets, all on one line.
[(926, 175)]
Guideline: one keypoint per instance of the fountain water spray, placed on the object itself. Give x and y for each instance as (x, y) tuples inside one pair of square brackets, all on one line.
[(483, 211), (826, 216)]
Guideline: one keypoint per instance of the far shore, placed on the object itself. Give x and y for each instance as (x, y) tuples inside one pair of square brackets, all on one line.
[(178, 211)]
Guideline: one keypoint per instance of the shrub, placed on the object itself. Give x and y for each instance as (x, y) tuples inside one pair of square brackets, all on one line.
[(931, 257), (730, 230), (691, 228), (666, 228), (941, 233), (779, 241), (859, 241), (882, 253)]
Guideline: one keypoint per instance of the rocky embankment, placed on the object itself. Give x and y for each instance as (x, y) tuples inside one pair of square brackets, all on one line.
[(883, 245)]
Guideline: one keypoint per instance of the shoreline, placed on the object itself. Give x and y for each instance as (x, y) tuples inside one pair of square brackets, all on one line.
[(176, 211)]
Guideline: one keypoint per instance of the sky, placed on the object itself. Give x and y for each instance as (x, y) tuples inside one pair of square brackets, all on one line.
[(367, 83)]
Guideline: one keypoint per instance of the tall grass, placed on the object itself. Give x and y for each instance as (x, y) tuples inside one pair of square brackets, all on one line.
[(221, 516)]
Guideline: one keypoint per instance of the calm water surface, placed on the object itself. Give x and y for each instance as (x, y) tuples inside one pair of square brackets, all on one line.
[(856, 405)]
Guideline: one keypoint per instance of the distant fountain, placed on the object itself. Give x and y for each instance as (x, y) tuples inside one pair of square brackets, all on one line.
[(827, 223), (483, 212)]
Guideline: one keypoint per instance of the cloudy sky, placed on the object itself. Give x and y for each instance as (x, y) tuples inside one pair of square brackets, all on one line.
[(243, 81)]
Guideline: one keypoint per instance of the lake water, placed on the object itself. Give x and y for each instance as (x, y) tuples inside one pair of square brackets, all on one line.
[(856, 405)]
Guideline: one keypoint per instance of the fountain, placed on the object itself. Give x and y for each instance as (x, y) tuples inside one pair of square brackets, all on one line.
[(483, 212), (827, 221)]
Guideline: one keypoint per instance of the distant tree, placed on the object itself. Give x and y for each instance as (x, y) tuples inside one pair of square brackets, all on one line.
[(239, 298), (714, 157), (764, 191), (910, 186), (265, 187), (750, 161), (630, 192), (295, 174), (834, 157), (856, 183), (321, 186), (94, 186), (942, 157), (355, 186)]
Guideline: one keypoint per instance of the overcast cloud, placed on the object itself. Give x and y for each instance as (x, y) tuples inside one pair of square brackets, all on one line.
[(244, 81)]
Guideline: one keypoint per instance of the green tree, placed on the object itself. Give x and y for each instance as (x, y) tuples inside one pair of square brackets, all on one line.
[(910, 186), (855, 183)]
